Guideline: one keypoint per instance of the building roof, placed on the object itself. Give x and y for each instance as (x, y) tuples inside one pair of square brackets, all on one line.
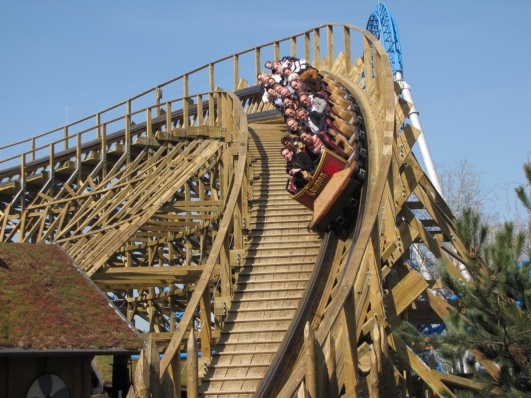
[(48, 303)]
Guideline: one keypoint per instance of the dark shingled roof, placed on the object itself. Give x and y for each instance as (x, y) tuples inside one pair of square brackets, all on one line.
[(48, 303)]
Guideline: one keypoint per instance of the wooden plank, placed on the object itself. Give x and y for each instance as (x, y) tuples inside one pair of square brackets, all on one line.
[(399, 298), (459, 381), (165, 337), (151, 276), (351, 355)]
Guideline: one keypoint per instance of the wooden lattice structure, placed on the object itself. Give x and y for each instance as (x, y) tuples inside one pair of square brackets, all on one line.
[(167, 205)]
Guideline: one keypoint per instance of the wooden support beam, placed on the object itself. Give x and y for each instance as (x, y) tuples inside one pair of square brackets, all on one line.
[(311, 361), (206, 330), (157, 276), (154, 367), (141, 384), (330, 362), (398, 299), (459, 381), (351, 355), (165, 337), (431, 378), (191, 368)]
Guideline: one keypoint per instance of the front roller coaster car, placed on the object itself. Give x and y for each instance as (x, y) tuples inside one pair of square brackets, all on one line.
[(329, 164), (331, 193)]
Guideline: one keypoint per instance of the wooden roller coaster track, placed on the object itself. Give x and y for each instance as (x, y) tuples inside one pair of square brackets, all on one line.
[(177, 209)]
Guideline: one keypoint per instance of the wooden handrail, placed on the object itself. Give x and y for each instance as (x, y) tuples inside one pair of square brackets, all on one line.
[(96, 127), (210, 67), (110, 138)]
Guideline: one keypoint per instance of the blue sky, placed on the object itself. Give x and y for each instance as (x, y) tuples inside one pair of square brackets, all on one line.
[(467, 63)]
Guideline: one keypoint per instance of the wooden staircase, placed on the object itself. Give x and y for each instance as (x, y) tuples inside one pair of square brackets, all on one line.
[(280, 256)]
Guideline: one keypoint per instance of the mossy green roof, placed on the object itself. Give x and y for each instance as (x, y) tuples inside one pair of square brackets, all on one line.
[(47, 302)]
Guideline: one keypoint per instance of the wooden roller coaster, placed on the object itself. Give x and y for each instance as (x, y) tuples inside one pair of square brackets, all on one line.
[(178, 210)]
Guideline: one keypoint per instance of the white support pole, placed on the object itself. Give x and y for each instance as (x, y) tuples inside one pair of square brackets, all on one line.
[(415, 122)]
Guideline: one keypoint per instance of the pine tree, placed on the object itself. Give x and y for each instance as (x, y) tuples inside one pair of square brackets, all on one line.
[(492, 310)]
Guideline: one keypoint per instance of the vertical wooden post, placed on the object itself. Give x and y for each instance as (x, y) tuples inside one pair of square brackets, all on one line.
[(244, 199), (347, 59), (293, 42), (151, 311), (154, 367), (23, 169), (224, 259), (211, 80), (65, 135), (104, 148), (149, 127), (191, 366), (187, 243), (141, 386), (169, 128), (226, 156), (32, 148), (330, 42), (236, 70), (367, 63), (276, 50), (257, 62), (228, 120), (307, 46), (321, 371), (311, 361), (22, 197), (200, 120), (382, 380), (376, 363), (171, 299), (170, 383), (128, 130), (238, 223), (330, 361), (351, 354), (380, 81), (211, 112), (175, 372), (52, 171), (316, 45), (98, 121), (78, 160), (185, 102), (388, 368), (158, 96), (206, 331)]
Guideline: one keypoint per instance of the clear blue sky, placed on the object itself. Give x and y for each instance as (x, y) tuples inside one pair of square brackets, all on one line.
[(467, 62)]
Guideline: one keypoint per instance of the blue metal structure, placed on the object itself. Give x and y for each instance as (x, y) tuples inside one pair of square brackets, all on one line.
[(382, 25)]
